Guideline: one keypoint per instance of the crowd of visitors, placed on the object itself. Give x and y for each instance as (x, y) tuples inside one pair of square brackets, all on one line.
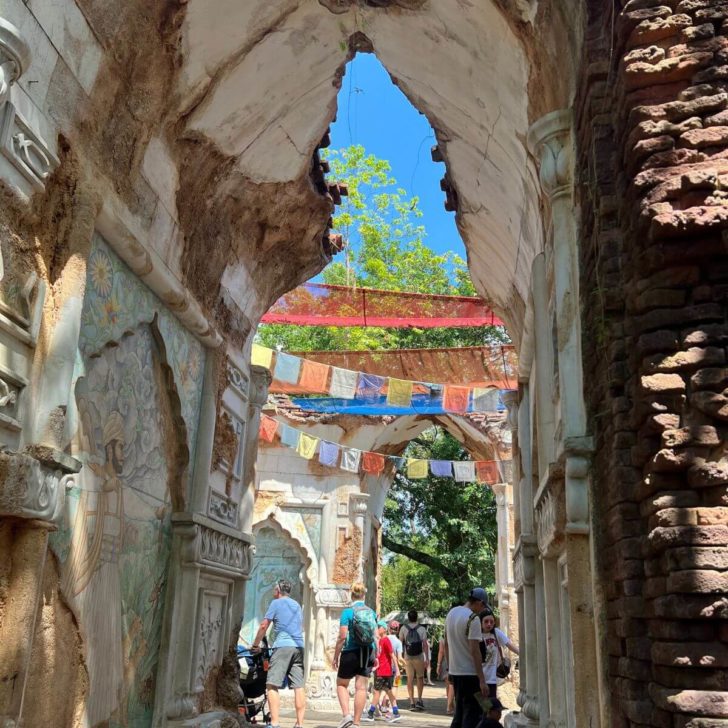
[(470, 660)]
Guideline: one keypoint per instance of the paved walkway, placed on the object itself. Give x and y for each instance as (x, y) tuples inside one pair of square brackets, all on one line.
[(433, 697)]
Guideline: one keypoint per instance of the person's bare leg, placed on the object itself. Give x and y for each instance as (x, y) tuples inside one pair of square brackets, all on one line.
[(375, 700), (360, 697), (299, 698), (420, 687), (274, 704), (392, 699), (342, 693), (411, 686), (450, 696)]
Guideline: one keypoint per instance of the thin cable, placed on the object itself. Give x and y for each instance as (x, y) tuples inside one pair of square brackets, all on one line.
[(417, 163)]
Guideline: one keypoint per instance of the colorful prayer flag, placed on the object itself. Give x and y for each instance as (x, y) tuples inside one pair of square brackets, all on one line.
[(417, 469), (350, 458), (287, 368), (486, 471), (289, 435), (464, 471), (314, 377), (372, 463), (485, 400), (399, 392), (268, 428), (441, 468), (261, 356), (370, 386), (307, 446), (343, 383), (397, 461), (455, 398), (329, 454)]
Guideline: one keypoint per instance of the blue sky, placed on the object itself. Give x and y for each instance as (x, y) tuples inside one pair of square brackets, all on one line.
[(373, 112)]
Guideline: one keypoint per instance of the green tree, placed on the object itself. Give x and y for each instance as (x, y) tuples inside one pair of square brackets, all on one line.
[(385, 249), (448, 527)]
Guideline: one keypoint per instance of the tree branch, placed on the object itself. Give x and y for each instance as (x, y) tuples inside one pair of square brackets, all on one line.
[(420, 557)]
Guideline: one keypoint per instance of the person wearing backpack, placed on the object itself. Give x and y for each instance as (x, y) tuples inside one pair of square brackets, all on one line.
[(355, 654), (416, 657)]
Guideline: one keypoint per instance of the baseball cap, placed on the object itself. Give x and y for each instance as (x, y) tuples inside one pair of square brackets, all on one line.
[(479, 594), (394, 624)]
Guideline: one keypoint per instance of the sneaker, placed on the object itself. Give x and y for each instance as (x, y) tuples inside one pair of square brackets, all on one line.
[(368, 717), (346, 721), (413, 706), (394, 717), (420, 705)]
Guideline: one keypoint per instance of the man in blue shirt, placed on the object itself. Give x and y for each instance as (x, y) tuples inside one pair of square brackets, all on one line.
[(286, 616), (352, 659)]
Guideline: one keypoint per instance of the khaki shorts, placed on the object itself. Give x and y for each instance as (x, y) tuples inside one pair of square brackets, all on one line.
[(415, 667)]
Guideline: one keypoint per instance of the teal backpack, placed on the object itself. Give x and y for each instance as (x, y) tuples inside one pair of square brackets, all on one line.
[(364, 626)]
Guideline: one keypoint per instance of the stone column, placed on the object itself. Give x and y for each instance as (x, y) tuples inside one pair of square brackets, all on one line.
[(504, 574), (550, 141)]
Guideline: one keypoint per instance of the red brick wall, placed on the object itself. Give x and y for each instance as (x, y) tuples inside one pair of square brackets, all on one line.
[(652, 132)]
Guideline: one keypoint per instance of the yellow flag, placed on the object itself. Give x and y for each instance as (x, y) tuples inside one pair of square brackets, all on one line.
[(417, 469), (399, 392), (261, 356), (307, 446)]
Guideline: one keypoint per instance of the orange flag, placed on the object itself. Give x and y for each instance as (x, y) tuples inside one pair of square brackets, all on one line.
[(372, 463), (487, 471), (268, 428), (455, 399), (314, 377)]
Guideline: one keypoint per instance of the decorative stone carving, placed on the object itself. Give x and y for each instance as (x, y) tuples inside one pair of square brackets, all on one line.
[(549, 140), (31, 489), (207, 545), (550, 519), (330, 595), (20, 144), (14, 58), (578, 462), (223, 509), (260, 379), (510, 400), (208, 639), (237, 380)]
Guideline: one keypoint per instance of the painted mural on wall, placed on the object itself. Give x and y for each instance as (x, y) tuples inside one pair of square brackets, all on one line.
[(276, 557), (115, 542), (116, 302)]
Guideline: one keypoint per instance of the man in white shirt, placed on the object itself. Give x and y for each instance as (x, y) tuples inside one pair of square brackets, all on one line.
[(464, 634)]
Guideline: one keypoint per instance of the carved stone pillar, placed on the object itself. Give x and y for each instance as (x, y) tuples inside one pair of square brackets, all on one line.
[(359, 509), (504, 573)]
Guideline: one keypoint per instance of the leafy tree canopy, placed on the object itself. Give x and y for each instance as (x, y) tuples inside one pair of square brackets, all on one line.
[(385, 249), (447, 527)]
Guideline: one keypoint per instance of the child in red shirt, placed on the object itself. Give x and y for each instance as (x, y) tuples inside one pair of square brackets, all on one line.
[(386, 669)]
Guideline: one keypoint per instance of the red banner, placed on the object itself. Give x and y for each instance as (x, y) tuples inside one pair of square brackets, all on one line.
[(318, 304)]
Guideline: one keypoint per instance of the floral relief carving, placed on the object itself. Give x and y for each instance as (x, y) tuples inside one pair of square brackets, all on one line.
[(210, 627)]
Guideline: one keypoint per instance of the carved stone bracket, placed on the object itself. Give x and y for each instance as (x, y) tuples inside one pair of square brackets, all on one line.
[(578, 452), (524, 573), (510, 400), (211, 545), (549, 140), (260, 379), (14, 57), (330, 595), (33, 489), (359, 504)]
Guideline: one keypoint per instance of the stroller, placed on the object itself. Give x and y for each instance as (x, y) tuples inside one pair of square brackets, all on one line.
[(253, 676)]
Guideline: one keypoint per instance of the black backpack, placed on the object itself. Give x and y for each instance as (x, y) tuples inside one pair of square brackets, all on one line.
[(413, 647)]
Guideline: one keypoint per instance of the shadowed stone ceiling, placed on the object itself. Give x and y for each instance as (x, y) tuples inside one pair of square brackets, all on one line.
[(259, 81)]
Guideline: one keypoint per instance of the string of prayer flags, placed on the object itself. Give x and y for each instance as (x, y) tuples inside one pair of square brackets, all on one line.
[(456, 398), (486, 471), (464, 471), (399, 392), (370, 386), (287, 368), (329, 454), (417, 469), (307, 446), (268, 428), (372, 463), (343, 383), (314, 377), (261, 356), (441, 468), (350, 458), (358, 392)]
